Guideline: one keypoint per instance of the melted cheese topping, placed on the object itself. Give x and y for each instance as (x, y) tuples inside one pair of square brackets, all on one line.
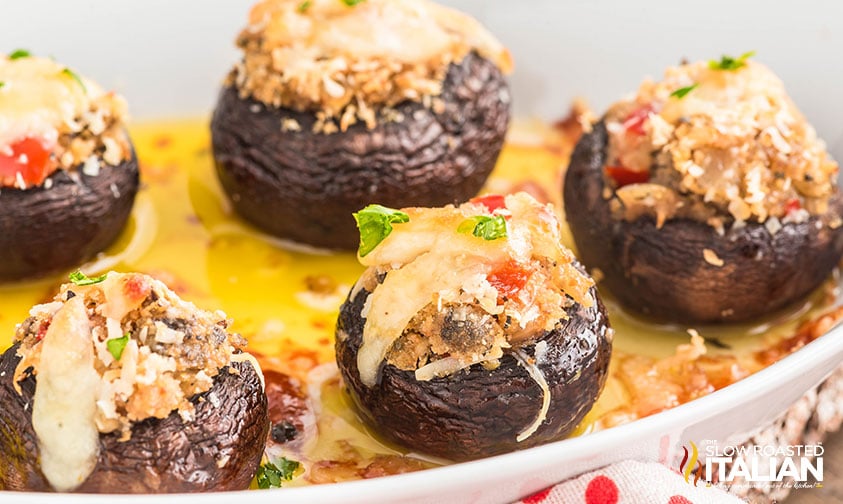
[(325, 56), (735, 142), (402, 31), (429, 262), (39, 99), (65, 399), (169, 350), (72, 118)]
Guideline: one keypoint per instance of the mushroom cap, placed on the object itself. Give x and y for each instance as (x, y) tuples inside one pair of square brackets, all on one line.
[(219, 450), (477, 412), (304, 185), (663, 271), (46, 230)]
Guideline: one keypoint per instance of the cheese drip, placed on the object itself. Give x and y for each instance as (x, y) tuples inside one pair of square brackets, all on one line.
[(65, 399)]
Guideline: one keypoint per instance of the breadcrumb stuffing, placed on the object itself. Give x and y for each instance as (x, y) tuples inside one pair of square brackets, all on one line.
[(462, 298), (154, 352), (74, 120), (733, 146), (347, 62)]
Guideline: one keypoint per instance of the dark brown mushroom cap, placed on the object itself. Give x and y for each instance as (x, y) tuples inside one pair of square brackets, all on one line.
[(663, 272), (304, 186), (46, 231), (476, 413), (219, 450)]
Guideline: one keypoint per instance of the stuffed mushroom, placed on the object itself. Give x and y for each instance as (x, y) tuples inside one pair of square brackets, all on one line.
[(706, 196), (68, 173), (118, 386), (338, 104), (473, 331)]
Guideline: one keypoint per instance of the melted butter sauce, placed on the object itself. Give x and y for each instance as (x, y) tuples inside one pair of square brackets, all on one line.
[(183, 232)]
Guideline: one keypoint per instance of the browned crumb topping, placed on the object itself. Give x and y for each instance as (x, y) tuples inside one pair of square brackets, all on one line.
[(349, 64), (153, 350), (75, 121), (730, 146), (443, 298)]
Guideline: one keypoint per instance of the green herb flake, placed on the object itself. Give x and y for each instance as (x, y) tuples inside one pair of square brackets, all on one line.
[(304, 6), (2, 84), (70, 73), (375, 224), (484, 226), (352, 3), (19, 53), (80, 278), (271, 475), (116, 346), (681, 92), (730, 63)]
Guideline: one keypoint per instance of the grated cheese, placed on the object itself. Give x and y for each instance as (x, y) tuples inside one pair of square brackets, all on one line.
[(537, 375)]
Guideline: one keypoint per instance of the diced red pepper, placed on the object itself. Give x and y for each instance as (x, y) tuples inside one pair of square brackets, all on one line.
[(624, 176), (136, 289), (634, 122), (792, 206), (29, 158), (491, 201), (509, 278), (42, 330)]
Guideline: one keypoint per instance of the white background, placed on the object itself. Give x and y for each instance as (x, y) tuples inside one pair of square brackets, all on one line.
[(169, 56)]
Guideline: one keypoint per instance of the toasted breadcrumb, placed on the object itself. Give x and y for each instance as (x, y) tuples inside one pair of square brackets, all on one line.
[(712, 258), (332, 58), (172, 350), (735, 145)]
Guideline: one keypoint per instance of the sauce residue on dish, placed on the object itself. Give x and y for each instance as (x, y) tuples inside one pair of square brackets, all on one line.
[(284, 300)]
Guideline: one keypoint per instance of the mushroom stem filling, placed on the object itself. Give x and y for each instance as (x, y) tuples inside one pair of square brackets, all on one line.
[(110, 352), (446, 294)]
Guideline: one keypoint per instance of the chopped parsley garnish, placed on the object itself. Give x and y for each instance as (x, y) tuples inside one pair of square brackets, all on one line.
[(375, 224), (304, 6), (271, 475), (70, 73), (116, 346), (484, 226), (352, 3), (80, 278), (681, 92), (19, 53), (730, 63), (2, 84)]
